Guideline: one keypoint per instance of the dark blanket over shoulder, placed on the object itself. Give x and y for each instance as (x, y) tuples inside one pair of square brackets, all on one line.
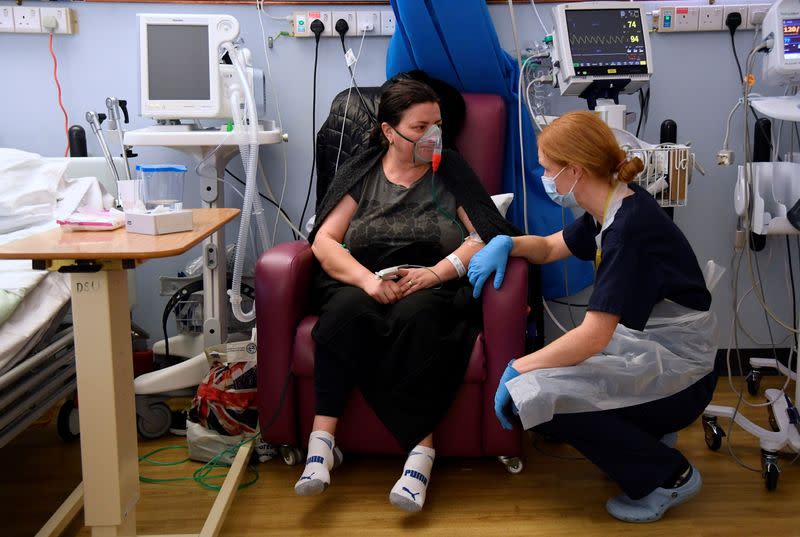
[(456, 175)]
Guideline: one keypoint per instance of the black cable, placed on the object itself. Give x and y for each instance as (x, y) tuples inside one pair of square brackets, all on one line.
[(644, 108), (267, 198), (736, 57), (313, 124), (733, 21)]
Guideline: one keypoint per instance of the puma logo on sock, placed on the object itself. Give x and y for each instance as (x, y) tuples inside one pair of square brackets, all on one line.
[(412, 494)]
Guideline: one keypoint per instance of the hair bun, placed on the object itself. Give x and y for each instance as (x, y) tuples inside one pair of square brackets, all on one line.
[(628, 169)]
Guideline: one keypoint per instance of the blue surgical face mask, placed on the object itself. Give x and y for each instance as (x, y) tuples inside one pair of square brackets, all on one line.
[(565, 200)]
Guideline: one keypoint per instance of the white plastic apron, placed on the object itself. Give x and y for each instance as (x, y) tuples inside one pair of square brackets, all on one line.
[(676, 349)]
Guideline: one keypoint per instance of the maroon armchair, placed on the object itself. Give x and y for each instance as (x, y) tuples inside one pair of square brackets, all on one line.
[(470, 428)]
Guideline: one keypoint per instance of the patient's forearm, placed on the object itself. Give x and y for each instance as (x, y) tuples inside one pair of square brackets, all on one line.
[(338, 262), (445, 269)]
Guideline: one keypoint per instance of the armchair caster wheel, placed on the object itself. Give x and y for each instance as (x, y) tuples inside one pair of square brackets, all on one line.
[(713, 433), (154, 421), (291, 455), (514, 465)]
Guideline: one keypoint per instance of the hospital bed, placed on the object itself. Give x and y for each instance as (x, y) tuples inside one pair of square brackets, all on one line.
[(37, 357)]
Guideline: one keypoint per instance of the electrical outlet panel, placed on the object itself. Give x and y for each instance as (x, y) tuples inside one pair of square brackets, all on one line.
[(66, 19), (686, 18), (377, 23), (6, 19), (388, 22), (349, 17), (27, 19), (711, 18), (706, 18), (368, 22)]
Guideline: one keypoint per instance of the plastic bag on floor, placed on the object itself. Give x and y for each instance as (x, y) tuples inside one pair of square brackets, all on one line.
[(205, 444)]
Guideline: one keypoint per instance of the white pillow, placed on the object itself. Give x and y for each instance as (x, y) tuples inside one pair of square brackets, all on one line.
[(29, 188), (502, 202)]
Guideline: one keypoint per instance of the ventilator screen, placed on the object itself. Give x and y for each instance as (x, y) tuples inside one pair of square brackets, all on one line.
[(177, 59)]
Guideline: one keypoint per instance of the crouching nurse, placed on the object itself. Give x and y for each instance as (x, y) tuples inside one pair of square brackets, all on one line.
[(639, 367)]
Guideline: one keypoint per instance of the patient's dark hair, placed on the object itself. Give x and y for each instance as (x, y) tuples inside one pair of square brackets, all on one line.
[(395, 100)]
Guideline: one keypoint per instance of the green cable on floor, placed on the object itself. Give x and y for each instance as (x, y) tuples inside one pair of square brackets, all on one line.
[(201, 475)]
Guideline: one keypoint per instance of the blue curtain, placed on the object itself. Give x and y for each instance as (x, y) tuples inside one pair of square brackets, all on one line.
[(466, 53)]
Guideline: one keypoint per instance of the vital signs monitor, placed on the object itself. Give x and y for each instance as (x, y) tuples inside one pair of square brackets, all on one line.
[(605, 42)]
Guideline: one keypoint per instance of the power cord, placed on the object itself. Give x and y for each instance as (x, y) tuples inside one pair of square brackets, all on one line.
[(341, 28), (317, 27), (733, 21), (644, 109)]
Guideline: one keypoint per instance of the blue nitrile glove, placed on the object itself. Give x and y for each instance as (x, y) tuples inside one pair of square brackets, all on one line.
[(491, 258), (503, 405)]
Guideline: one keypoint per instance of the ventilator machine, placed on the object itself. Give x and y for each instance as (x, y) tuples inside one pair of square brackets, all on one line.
[(194, 67)]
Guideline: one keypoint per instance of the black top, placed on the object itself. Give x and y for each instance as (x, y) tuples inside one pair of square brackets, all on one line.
[(398, 225), (645, 259), (456, 176)]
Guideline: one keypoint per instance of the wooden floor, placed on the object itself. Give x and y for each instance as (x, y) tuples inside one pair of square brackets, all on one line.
[(555, 494)]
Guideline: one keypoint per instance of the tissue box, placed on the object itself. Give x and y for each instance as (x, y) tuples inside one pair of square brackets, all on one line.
[(159, 223)]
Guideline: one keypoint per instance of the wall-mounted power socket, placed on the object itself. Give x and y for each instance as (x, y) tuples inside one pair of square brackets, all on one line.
[(711, 18), (64, 18), (687, 19), (368, 22), (27, 19), (755, 14), (388, 22), (349, 17), (302, 20), (6, 19), (731, 8)]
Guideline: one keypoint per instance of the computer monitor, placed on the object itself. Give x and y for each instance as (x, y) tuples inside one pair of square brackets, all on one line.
[(605, 42), (782, 22), (179, 62)]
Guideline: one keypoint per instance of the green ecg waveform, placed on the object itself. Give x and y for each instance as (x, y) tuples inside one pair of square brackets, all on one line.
[(597, 40)]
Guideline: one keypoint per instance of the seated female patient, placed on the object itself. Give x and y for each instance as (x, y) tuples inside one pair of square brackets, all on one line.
[(404, 343)]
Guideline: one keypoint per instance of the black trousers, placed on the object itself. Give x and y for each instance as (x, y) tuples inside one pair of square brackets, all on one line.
[(624, 442), (407, 358)]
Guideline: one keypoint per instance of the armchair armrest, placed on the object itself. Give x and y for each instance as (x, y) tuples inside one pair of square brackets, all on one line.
[(282, 282), (505, 312)]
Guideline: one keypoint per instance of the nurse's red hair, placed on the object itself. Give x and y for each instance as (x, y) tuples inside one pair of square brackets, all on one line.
[(582, 138)]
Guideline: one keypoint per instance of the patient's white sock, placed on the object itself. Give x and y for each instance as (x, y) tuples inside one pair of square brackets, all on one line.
[(408, 493), (320, 461)]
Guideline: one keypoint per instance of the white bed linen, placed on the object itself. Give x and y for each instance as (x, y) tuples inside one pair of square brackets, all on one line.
[(42, 294)]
